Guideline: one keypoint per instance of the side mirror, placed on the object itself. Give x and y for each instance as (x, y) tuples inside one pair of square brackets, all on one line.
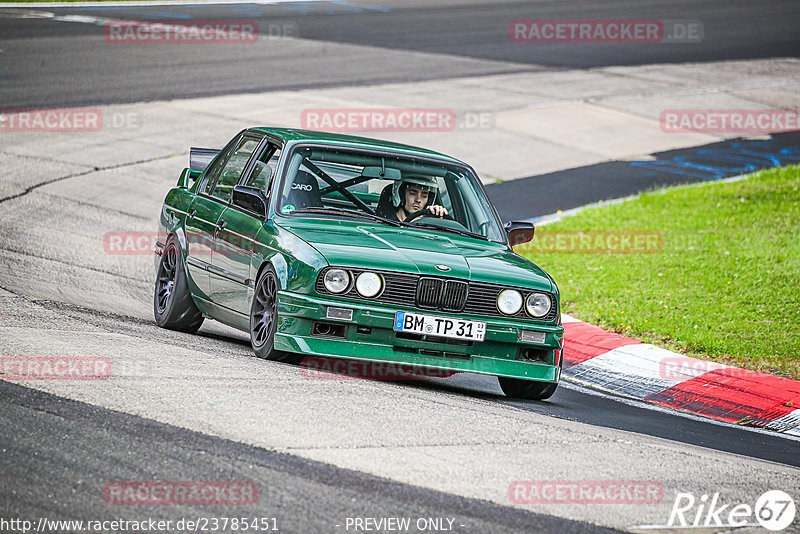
[(251, 199), (519, 232)]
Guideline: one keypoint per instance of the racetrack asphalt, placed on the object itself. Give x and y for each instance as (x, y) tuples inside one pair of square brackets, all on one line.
[(65, 479), (460, 437), (458, 443), (349, 44)]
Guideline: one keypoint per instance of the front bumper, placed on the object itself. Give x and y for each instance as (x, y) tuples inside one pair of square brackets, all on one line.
[(369, 336)]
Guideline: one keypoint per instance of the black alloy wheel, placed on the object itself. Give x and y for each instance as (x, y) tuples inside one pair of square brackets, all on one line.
[(173, 306)]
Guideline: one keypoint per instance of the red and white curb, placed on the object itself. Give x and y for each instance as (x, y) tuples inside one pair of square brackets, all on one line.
[(624, 366)]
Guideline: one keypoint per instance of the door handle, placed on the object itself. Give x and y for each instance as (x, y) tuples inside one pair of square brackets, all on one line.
[(222, 225), (192, 213)]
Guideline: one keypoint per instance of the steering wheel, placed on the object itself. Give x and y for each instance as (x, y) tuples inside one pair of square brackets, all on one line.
[(424, 212)]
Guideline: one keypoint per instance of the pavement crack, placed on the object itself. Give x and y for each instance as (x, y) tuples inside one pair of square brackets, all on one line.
[(83, 173), (55, 304), (62, 262)]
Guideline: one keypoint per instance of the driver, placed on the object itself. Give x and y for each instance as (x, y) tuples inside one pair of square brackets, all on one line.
[(415, 193)]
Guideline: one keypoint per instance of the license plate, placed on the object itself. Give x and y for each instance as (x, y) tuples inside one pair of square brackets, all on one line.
[(431, 325)]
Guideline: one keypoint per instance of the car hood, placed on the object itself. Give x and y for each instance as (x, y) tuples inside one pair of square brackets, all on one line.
[(384, 247)]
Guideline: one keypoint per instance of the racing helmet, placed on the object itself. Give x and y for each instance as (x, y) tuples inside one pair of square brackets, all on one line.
[(400, 186)]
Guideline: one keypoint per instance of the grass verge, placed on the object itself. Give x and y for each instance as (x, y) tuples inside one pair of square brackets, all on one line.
[(712, 271)]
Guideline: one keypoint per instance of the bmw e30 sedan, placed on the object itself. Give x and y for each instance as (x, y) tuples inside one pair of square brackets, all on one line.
[(330, 245)]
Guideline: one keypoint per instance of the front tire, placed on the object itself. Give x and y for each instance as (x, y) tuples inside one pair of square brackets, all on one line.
[(526, 389), (264, 317), (173, 306)]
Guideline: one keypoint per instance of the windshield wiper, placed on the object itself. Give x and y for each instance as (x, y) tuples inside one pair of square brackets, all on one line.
[(447, 229), (348, 213)]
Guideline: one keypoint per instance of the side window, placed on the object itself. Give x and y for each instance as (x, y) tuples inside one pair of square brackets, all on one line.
[(232, 171), (264, 169), (214, 168)]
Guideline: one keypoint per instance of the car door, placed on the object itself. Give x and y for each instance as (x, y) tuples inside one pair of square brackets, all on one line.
[(236, 237), (235, 231), (201, 222)]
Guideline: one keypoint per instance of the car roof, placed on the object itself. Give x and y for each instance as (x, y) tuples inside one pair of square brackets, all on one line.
[(294, 134)]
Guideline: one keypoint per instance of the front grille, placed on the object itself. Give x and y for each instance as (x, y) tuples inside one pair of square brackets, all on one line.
[(439, 294), (454, 296), (430, 293)]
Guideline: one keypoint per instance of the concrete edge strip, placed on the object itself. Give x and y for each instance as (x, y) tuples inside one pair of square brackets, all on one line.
[(625, 366)]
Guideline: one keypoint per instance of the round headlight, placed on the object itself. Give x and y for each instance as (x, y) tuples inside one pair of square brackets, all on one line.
[(509, 301), (537, 304), (336, 280), (369, 284)]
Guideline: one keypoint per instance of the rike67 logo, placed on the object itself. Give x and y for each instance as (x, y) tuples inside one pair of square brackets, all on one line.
[(774, 510)]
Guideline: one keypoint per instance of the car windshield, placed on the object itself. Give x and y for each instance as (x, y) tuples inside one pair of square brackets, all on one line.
[(346, 183)]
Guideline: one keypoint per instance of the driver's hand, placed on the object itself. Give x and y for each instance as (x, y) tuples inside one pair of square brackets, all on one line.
[(438, 211)]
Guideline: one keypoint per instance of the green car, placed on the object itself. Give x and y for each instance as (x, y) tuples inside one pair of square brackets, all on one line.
[(334, 246)]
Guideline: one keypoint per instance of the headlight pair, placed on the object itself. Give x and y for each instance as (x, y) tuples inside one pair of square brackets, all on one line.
[(368, 284), (509, 302)]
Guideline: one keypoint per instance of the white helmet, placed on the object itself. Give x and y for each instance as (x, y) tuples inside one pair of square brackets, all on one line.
[(399, 188)]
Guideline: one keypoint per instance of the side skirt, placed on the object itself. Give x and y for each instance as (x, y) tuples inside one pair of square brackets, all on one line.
[(222, 314)]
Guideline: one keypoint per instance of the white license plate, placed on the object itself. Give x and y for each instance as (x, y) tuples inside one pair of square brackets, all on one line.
[(431, 325)]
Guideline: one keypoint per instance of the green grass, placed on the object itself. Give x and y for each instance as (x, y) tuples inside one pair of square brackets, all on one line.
[(725, 285)]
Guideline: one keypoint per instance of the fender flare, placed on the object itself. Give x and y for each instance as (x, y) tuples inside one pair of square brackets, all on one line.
[(278, 263), (180, 236)]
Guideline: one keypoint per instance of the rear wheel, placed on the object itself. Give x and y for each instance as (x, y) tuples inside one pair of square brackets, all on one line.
[(264, 318), (526, 389), (173, 306)]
